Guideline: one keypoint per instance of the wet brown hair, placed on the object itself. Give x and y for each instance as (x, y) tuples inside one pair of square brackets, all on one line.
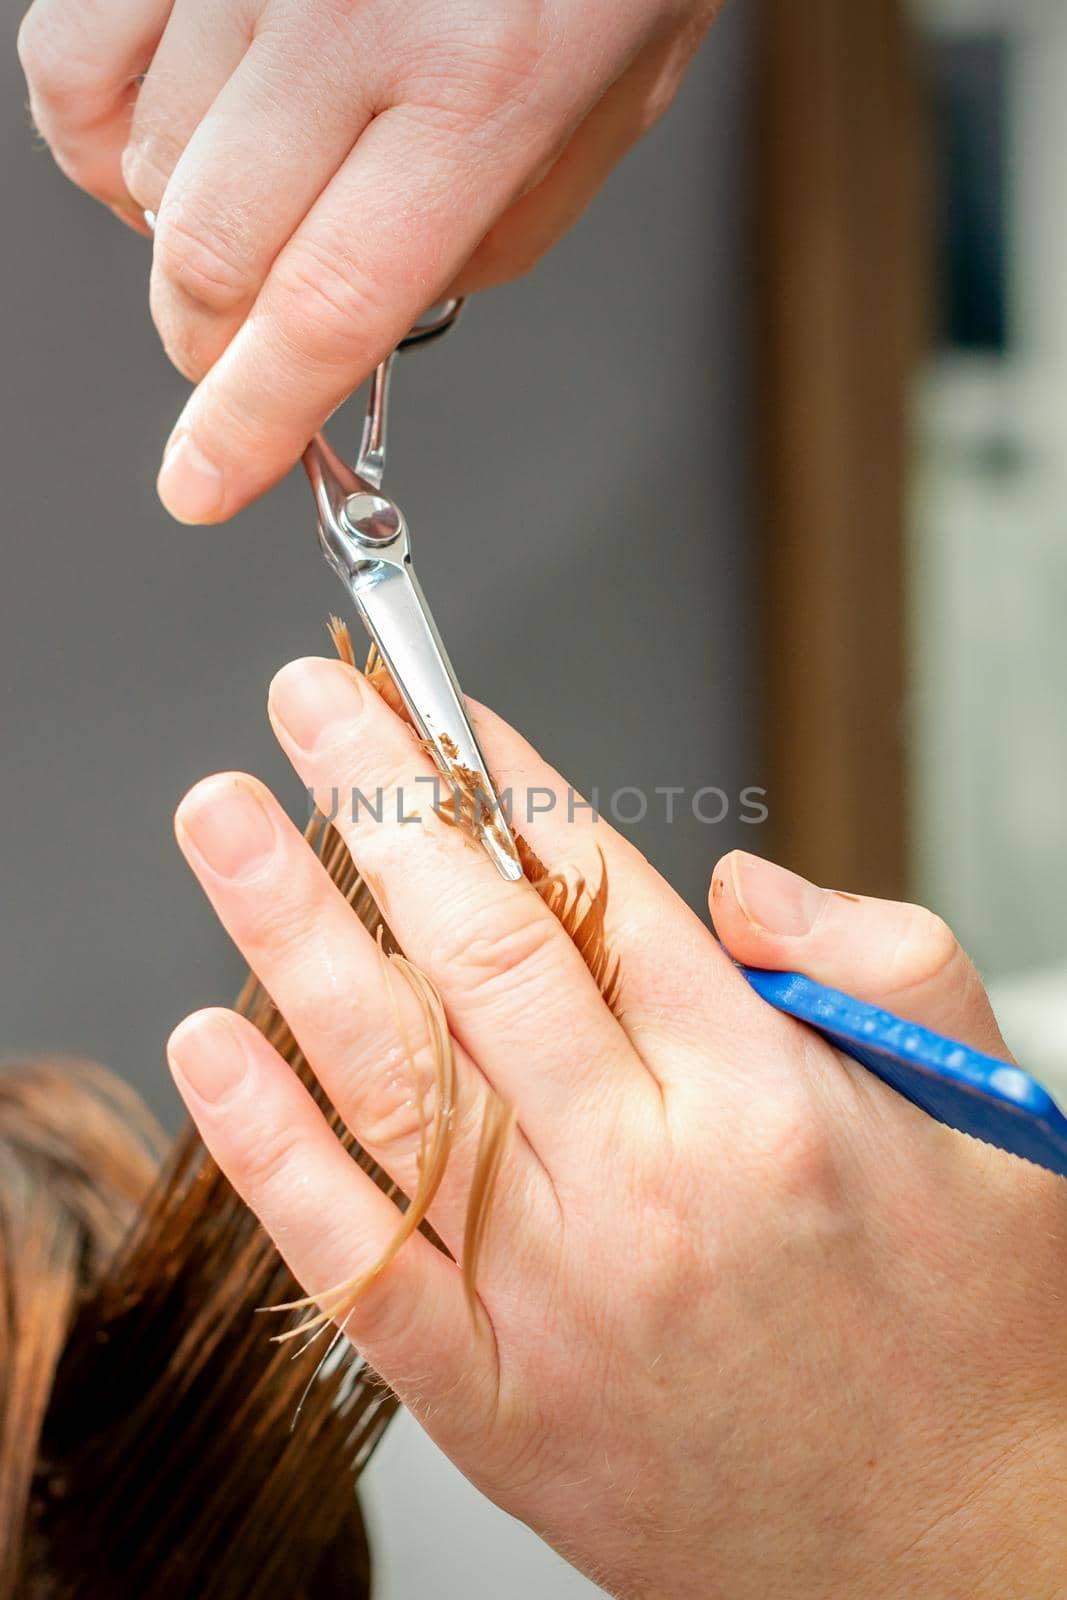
[(147, 1445), (154, 1440)]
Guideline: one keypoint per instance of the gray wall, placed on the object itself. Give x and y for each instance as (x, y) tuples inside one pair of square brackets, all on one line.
[(573, 465)]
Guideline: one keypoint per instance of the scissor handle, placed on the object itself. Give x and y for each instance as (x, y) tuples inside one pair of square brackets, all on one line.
[(364, 537), (433, 324)]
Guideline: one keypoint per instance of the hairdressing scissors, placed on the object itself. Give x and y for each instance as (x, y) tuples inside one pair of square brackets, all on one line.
[(991, 1100), (365, 539)]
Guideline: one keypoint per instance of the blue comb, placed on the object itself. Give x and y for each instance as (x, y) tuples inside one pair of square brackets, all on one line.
[(989, 1099)]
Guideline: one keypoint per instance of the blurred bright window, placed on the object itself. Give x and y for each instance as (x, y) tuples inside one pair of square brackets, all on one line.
[(988, 556)]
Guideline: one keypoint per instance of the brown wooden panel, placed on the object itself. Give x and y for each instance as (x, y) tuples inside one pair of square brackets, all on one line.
[(842, 267)]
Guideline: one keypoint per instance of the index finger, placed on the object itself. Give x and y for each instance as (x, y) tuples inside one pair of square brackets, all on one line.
[(384, 241)]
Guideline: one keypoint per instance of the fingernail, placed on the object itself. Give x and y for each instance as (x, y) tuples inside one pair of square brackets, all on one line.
[(314, 701), (228, 826), (773, 899), (206, 1053), (190, 486)]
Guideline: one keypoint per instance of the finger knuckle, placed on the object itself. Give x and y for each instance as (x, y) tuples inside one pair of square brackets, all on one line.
[(483, 57), (396, 1095), (668, 1259), (63, 73), (795, 1154), (373, 811), (496, 51), (49, 68), (323, 301), (272, 1163), (927, 950), (509, 953), (275, 925), (200, 257)]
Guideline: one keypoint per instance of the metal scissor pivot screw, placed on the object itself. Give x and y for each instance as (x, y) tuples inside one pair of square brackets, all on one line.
[(372, 519)]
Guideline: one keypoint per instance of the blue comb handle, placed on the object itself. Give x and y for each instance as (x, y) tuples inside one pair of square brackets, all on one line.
[(989, 1099)]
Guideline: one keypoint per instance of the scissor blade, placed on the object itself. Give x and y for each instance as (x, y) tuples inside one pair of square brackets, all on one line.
[(398, 619)]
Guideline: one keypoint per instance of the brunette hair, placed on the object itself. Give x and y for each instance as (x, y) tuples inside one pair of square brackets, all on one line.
[(147, 1445)]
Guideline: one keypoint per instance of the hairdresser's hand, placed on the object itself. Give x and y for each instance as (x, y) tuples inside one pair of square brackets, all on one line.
[(323, 172), (754, 1327)]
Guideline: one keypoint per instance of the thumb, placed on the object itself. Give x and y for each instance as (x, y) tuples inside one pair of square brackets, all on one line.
[(897, 956)]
